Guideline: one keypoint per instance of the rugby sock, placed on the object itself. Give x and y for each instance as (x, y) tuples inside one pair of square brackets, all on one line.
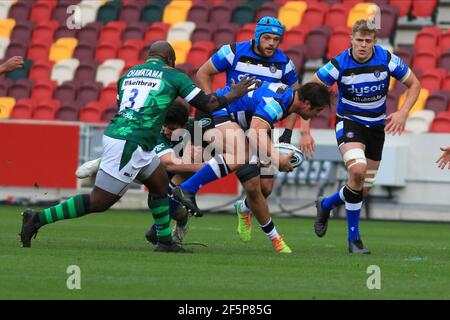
[(270, 230), (72, 208), (160, 211), (173, 205), (216, 168), (334, 200), (353, 204), (183, 221), (244, 206)]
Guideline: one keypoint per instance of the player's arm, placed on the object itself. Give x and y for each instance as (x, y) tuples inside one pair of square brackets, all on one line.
[(290, 123), (11, 64), (205, 76), (397, 120), (175, 165), (261, 144)]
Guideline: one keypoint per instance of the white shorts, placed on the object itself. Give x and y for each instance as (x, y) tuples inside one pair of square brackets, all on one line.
[(124, 159)]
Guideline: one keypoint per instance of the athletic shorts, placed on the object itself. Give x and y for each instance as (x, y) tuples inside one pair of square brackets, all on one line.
[(352, 131), (122, 162)]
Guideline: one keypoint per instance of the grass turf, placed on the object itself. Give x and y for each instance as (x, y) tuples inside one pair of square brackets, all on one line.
[(117, 263)]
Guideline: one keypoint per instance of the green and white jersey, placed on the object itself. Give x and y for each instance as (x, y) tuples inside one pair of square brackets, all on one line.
[(165, 145), (144, 93)]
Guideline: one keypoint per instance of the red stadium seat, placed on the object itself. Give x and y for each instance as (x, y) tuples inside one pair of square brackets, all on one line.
[(389, 15), (293, 37), (441, 123), (432, 79), (339, 41), (130, 50), (425, 59), (267, 9), (38, 51), (314, 15), (423, 8), (337, 15), (187, 68), (41, 70), (112, 32), (427, 38), (157, 31), (23, 109), (134, 30), (199, 12), (108, 95), (247, 32), (446, 83), (108, 114), (403, 5), (438, 102), (225, 34), (44, 112), (106, 50), (92, 112), (43, 90), (199, 53), (406, 54), (43, 32), (42, 11), (219, 81)]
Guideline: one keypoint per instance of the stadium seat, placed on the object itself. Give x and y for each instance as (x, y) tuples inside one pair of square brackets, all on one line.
[(361, 11), (89, 10), (66, 91), (134, 30), (105, 51), (427, 38), (84, 52), (444, 61), (403, 5), (187, 68), (316, 42), (446, 83), (4, 8), (4, 43), (62, 49), (314, 15), (432, 79), (181, 31), (219, 80), (5, 84), (42, 11), (391, 103), (20, 11), (425, 59), (130, 50), (243, 14), (86, 71), (43, 90), (64, 70), (152, 12), (157, 31), (109, 71), (44, 111), (109, 11), (441, 123), (6, 106), (43, 32), (108, 114), (291, 13), (225, 34), (199, 53), (21, 73), (389, 15), (247, 32), (199, 12), (297, 55), (108, 95), (41, 70), (181, 48), (67, 112), (176, 11), (22, 31), (267, 9), (420, 103), (60, 13), (64, 32), (203, 32), (293, 37), (421, 8), (419, 121), (6, 27), (16, 49), (339, 41), (89, 34), (437, 102), (221, 12), (23, 109), (92, 112), (88, 91), (130, 12), (337, 15), (112, 32), (21, 89), (406, 54)]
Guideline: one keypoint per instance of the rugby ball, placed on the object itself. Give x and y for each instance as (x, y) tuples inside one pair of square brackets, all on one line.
[(286, 148)]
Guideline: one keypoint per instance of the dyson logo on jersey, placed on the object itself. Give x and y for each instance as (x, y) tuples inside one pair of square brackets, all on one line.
[(367, 89)]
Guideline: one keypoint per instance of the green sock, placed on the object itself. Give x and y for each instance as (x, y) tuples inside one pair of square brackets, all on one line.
[(72, 208), (160, 212)]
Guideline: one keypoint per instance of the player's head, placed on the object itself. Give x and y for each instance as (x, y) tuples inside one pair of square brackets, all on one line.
[(268, 33), (363, 38), (310, 99), (163, 50), (176, 118)]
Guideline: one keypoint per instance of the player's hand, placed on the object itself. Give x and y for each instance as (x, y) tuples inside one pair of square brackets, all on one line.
[(444, 159), (396, 122), (245, 85), (285, 162), (307, 145), (12, 64)]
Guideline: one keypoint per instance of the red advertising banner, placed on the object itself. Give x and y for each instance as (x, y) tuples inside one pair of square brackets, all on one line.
[(39, 155)]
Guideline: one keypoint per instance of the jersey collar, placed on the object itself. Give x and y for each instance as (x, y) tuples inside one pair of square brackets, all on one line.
[(350, 53)]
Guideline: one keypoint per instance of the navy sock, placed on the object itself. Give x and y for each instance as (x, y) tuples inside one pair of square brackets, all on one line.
[(353, 204), (333, 201), (216, 168)]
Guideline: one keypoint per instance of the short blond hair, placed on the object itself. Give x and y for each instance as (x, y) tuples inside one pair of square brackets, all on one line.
[(364, 27)]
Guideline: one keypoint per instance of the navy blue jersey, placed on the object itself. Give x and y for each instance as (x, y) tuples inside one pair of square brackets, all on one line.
[(269, 103), (363, 87), (238, 59)]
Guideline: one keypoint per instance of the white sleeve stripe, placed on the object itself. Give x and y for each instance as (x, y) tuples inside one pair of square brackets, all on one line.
[(406, 76), (334, 73), (192, 95)]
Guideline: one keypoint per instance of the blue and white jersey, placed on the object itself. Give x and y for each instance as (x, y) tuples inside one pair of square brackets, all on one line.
[(238, 59), (363, 87), (269, 103)]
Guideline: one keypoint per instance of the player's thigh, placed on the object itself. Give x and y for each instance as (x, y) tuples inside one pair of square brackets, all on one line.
[(155, 178)]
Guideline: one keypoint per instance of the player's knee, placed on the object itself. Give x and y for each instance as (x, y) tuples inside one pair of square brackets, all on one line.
[(252, 188), (357, 174), (266, 190)]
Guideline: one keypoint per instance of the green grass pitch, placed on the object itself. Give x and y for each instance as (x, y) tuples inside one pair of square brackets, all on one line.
[(117, 263)]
